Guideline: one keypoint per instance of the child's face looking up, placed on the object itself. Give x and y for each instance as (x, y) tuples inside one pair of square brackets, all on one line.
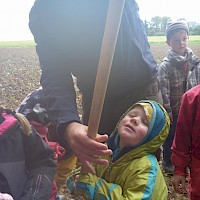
[(178, 42), (133, 127)]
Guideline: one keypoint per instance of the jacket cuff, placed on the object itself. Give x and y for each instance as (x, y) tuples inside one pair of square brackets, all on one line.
[(61, 139), (180, 171)]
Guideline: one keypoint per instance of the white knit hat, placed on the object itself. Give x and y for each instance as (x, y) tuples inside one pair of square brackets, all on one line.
[(174, 27)]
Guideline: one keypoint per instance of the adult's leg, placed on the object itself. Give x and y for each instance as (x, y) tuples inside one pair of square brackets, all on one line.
[(64, 168), (167, 163)]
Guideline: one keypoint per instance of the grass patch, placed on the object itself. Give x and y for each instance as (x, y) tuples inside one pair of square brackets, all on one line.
[(193, 39), (17, 44), (156, 39)]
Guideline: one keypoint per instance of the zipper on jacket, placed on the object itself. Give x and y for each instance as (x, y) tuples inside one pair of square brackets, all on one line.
[(113, 158), (110, 167), (38, 181), (111, 163)]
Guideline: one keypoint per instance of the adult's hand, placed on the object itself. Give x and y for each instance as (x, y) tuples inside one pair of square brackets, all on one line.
[(86, 149), (179, 184)]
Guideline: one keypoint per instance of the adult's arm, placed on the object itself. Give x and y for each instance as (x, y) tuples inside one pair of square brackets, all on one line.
[(59, 29), (68, 36)]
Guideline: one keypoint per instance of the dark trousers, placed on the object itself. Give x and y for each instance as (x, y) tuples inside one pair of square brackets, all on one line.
[(168, 143), (114, 108)]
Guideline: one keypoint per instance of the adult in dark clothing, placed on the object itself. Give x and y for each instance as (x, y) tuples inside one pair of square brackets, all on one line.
[(68, 36)]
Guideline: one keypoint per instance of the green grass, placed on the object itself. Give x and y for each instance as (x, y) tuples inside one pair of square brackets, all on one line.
[(193, 39), (156, 39), (17, 44)]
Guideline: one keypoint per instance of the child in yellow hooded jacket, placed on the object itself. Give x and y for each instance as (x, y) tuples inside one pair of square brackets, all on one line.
[(133, 171)]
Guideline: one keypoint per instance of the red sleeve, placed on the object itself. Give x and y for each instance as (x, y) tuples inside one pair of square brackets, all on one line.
[(181, 147)]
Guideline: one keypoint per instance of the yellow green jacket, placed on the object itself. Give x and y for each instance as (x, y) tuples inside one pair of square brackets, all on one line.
[(133, 173)]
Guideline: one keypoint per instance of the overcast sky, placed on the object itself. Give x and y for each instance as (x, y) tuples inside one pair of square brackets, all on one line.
[(14, 14), (174, 9)]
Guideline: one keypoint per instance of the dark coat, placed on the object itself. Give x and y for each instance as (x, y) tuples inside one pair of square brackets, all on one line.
[(27, 167)]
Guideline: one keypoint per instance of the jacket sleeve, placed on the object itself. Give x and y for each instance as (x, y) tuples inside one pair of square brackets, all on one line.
[(56, 78), (181, 147), (93, 187), (164, 80), (59, 94), (40, 167)]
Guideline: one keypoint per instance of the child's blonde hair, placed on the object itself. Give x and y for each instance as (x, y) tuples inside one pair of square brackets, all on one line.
[(20, 117)]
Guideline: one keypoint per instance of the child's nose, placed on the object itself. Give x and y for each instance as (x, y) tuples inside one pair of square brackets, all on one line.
[(135, 121)]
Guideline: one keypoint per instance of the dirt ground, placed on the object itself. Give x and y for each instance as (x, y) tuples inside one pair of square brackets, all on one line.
[(20, 74)]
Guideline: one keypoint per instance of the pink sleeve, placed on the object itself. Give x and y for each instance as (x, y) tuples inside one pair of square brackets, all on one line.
[(181, 147)]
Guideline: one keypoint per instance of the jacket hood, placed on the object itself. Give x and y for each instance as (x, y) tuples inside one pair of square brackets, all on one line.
[(155, 137)]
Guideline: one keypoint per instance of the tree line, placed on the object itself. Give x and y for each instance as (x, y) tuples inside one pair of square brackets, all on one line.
[(157, 26)]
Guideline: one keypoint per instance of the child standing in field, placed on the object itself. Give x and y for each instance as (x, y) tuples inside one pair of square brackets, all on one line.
[(27, 167), (133, 171), (186, 145), (178, 72)]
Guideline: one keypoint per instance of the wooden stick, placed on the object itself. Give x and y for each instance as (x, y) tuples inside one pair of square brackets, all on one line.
[(111, 31)]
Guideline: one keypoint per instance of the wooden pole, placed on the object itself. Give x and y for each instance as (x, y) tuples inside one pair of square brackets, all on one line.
[(111, 31)]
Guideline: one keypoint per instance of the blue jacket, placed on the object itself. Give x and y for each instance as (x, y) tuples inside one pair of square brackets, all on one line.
[(69, 35)]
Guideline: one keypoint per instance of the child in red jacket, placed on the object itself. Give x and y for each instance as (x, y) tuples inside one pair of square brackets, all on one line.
[(186, 145)]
